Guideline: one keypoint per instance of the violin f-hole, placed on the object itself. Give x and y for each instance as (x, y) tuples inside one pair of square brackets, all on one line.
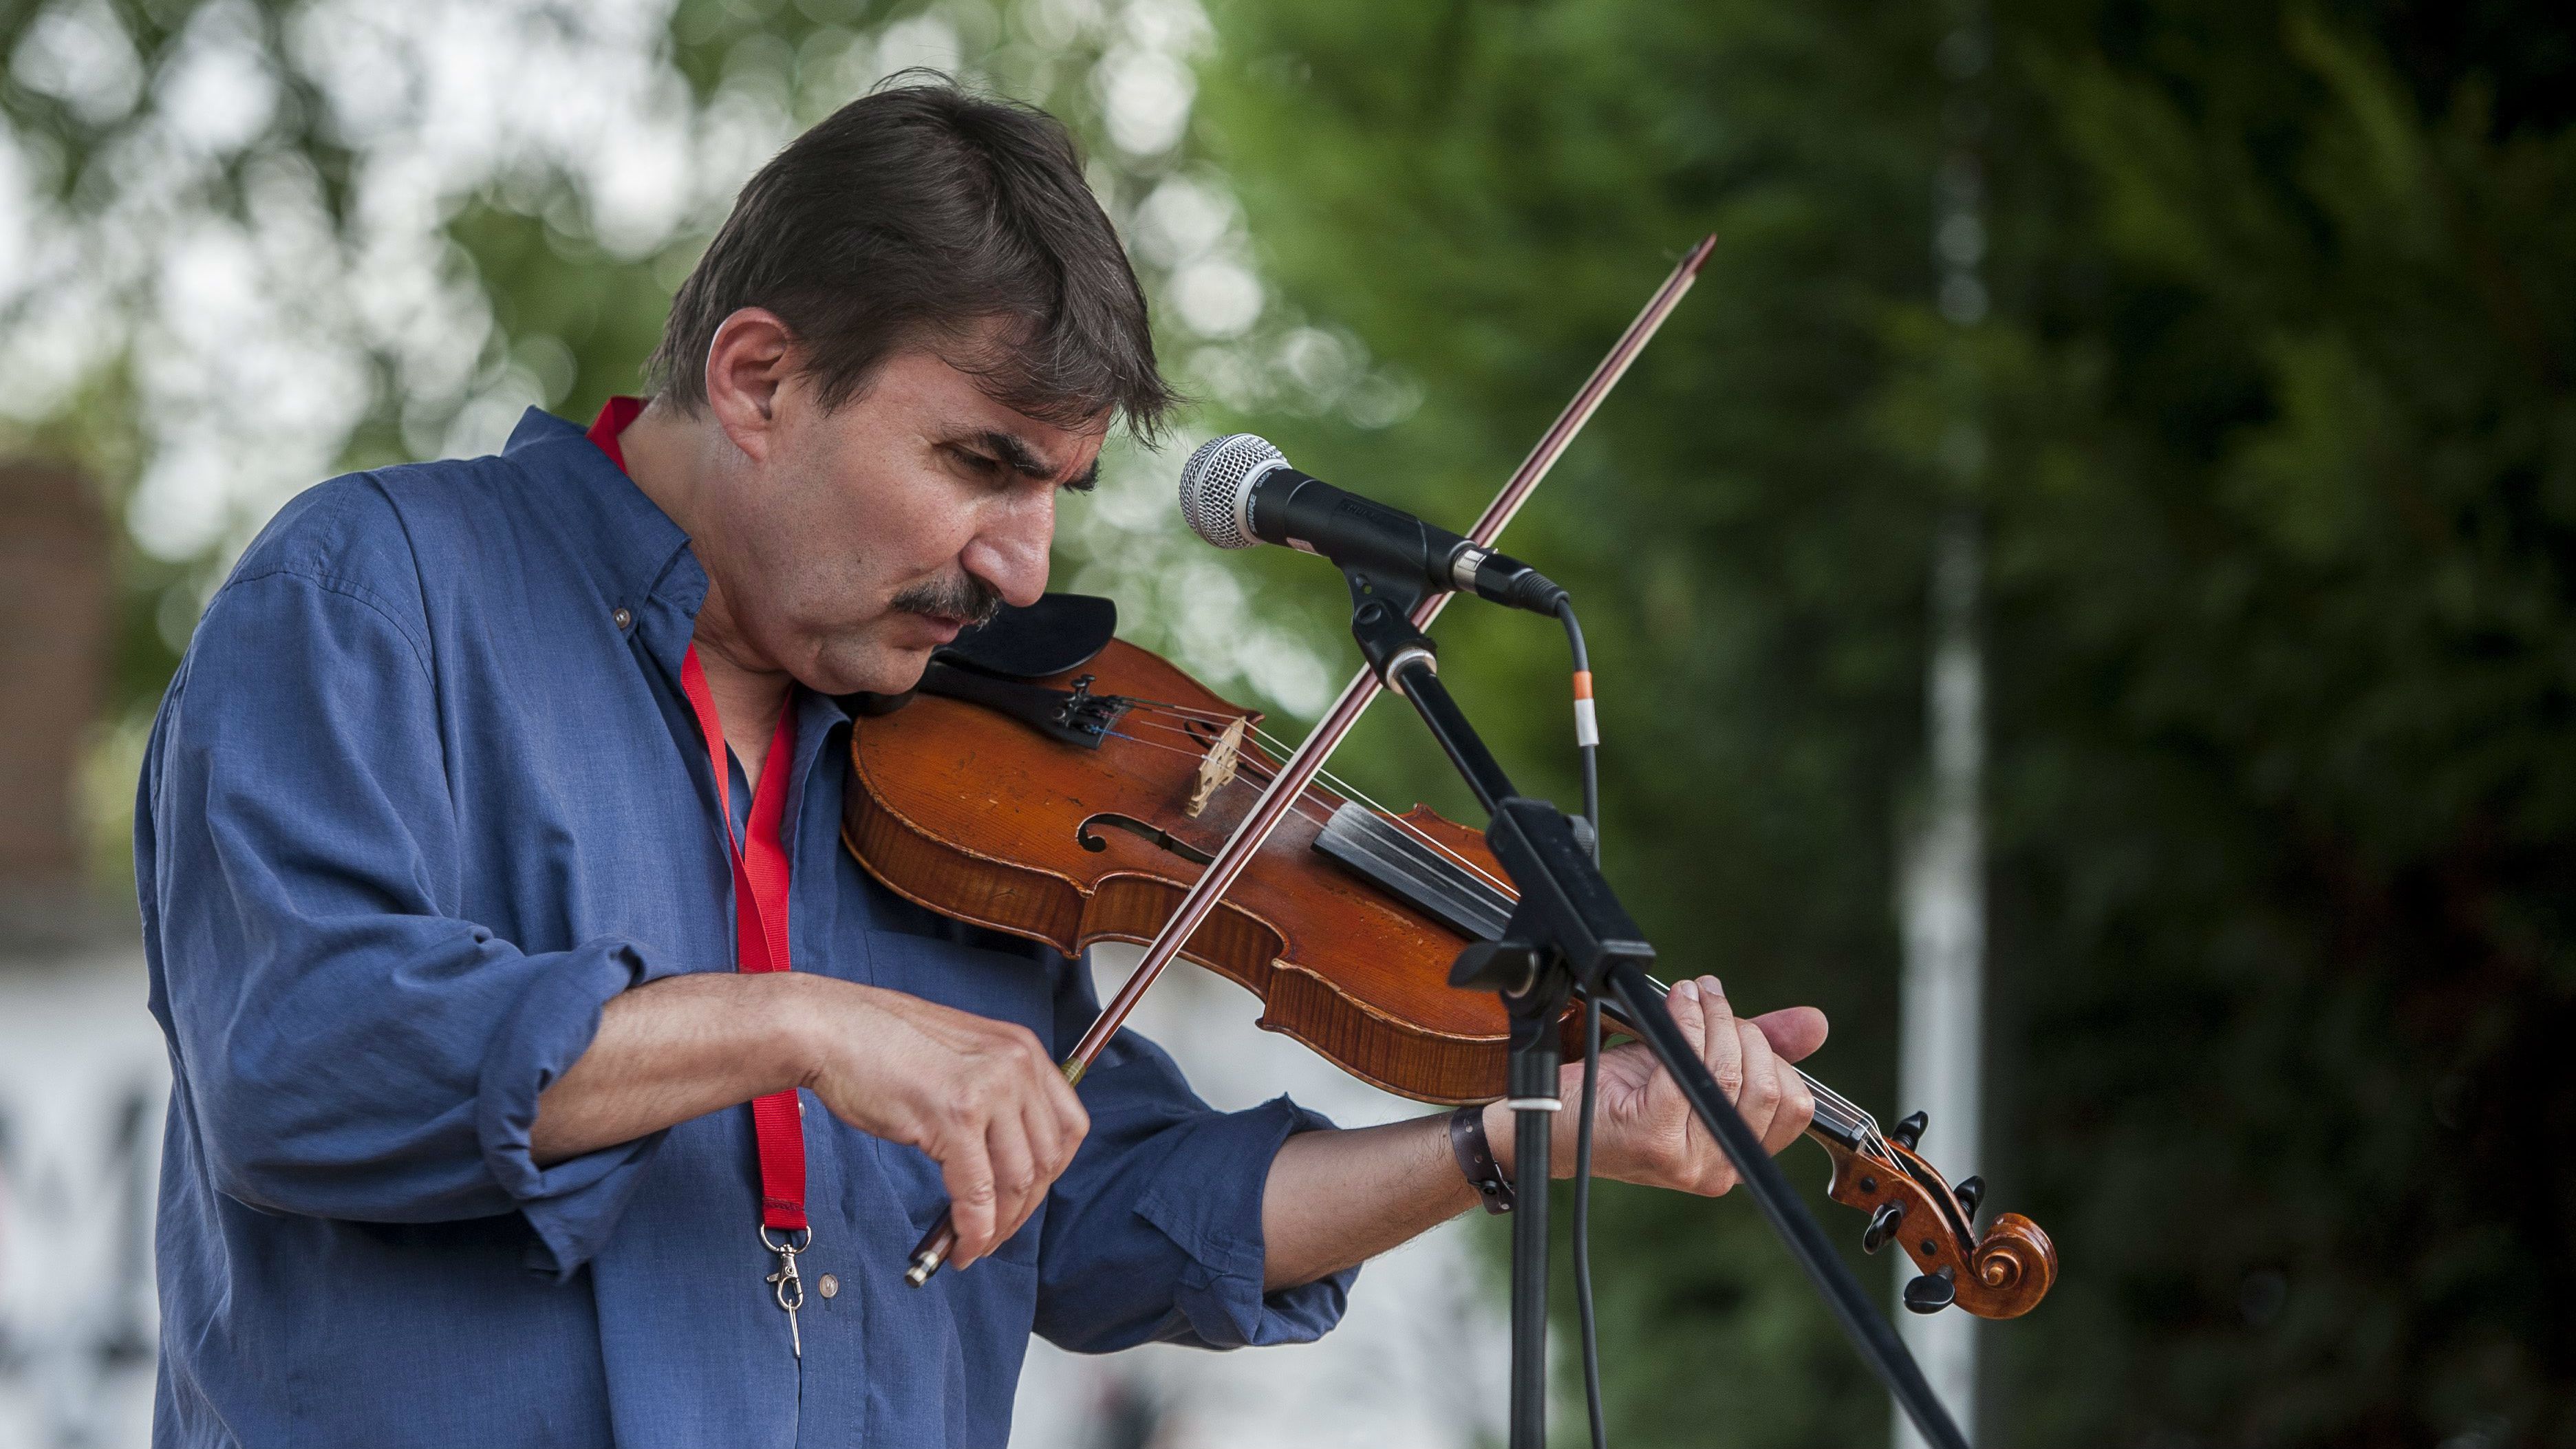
[(1083, 836)]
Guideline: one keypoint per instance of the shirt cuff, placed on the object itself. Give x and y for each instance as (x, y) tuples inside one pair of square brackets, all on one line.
[(571, 1205), (1210, 1207)]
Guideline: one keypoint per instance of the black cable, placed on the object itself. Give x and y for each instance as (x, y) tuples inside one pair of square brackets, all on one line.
[(1584, 744), (1590, 753), (1583, 1221)]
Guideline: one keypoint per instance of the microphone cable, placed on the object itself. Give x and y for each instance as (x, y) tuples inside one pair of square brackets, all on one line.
[(1587, 743), (1587, 726)]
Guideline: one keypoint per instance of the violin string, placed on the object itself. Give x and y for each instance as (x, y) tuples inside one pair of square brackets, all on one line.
[(1417, 834), (1311, 810), (1198, 748), (1828, 1103), (1842, 1104), (1306, 807), (1260, 772)]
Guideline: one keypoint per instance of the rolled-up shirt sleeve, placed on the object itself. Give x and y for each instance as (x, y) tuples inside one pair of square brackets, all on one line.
[(1154, 1234), (350, 1046)]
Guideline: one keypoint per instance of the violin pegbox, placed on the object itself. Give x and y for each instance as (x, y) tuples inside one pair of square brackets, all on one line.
[(2002, 1273)]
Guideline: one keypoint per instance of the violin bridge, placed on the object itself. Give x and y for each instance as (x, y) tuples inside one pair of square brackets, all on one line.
[(1217, 771)]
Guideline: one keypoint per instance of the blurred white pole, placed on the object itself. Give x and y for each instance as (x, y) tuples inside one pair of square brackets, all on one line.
[(1940, 1071)]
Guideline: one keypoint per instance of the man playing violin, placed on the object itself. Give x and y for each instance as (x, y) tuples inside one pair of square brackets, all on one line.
[(488, 859)]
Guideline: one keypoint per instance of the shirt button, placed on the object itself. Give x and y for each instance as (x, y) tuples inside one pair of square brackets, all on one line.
[(621, 618), (831, 1286)]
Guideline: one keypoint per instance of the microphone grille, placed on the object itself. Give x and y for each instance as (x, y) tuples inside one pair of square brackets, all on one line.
[(1216, 487)]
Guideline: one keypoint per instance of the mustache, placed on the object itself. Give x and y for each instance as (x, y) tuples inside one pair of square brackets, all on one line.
[(963, 597)]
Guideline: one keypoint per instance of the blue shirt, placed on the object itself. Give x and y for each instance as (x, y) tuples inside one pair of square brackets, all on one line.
[(424, 794)]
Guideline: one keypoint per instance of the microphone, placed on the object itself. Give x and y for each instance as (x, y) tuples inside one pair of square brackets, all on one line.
[(1238, 490)]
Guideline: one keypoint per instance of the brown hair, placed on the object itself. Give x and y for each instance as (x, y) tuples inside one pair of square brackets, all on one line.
[(917, 215)]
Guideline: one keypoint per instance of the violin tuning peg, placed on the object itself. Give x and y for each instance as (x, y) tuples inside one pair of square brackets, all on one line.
[(1932, 1292), (1909, 1133), (1971, 1191), (1882, 1226)]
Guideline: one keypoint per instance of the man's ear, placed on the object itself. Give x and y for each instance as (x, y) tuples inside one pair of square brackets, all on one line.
[(751, 359)]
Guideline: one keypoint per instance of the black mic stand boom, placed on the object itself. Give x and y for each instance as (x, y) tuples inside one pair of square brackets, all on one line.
[(1570, 932)]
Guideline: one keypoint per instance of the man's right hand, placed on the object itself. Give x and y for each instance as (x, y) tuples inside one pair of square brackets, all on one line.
[(980, 1097)]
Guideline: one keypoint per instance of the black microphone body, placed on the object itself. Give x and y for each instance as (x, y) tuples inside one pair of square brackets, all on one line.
[(1238, 490)]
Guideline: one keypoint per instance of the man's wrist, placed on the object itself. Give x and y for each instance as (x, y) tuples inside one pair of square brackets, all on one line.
[(793, 1024), (1471, 1148), (1503, 1138)]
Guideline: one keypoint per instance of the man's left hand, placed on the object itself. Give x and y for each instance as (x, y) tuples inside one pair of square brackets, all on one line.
[(1645, 1131)]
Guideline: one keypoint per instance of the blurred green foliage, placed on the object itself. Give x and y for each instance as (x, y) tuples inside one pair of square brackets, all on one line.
[(1485, 196), (2285, 668), (2278, 481)]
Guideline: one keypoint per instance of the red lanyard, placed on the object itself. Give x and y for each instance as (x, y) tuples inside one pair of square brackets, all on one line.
[(760, 912)]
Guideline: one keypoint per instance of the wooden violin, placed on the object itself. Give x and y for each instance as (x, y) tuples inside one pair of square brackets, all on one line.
[(1055, 783)]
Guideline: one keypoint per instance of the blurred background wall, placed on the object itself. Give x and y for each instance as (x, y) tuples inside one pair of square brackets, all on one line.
[(2234, 337)]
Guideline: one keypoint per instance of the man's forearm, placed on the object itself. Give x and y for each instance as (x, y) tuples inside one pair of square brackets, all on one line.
[(981, 1097), (1336, 1199), (678, 1048)]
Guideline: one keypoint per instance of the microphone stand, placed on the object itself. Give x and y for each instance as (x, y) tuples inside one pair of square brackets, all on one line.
[(1570, 932)]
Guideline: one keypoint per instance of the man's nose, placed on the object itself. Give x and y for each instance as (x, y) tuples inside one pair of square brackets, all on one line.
[(1010, 551)]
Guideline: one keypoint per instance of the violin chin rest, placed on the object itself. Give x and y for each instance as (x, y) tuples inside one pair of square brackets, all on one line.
[(872, 706), (1056, 635)]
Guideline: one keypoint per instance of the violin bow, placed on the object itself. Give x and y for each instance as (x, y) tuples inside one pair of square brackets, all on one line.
[(1289, 785), (1300, 770), (1870, 1334)]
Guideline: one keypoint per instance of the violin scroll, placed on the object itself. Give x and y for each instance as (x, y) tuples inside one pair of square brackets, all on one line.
[(2001, 1274), (2016, 1263)]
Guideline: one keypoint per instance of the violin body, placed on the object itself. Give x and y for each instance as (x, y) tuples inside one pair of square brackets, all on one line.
[(969, 812), (1072, 794)]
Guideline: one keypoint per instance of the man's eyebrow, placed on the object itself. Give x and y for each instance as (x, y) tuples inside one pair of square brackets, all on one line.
[(1024, 459)]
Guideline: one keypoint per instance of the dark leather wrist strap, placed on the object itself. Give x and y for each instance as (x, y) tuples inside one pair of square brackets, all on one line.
[(1476, 1159)]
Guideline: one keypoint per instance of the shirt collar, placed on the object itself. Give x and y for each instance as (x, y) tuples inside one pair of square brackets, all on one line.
[(637, 553), (649, 557)]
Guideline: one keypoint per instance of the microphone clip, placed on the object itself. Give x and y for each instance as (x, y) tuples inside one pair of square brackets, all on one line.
[(1382, 621)]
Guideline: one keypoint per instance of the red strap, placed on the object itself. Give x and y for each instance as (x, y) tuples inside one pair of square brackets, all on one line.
[(760, 878), (760, 875), (613, 417), (759, 883)]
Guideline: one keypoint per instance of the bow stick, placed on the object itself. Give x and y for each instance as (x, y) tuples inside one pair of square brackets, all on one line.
[(1293, 777)]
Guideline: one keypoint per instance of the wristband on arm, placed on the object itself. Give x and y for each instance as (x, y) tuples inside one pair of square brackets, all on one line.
[(1476, 1158)]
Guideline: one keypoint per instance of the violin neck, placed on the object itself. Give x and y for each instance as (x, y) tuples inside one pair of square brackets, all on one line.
[(1475, 905), (1838, 1121)]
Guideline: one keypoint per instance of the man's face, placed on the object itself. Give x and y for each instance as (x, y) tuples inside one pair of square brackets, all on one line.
[(859, 540)]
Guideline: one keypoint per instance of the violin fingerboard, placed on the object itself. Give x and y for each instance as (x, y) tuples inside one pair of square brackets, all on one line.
[(1378, 851)]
